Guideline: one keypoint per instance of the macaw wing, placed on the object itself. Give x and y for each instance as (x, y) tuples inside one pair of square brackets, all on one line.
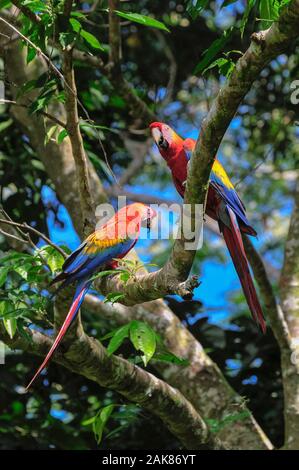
[(98, 249), (222, 184)]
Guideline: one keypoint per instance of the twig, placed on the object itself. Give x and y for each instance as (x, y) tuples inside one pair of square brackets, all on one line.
[(172, 69), (44, 113), (14, 237), (87, 357), (37, 49), (67, 8), (73, 129), (36, 232), (26, 11), (114, 35)]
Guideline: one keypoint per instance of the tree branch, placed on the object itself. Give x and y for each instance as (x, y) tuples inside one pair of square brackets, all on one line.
[(73, 129), (44, 113), (289, 294), (87, 357), (201, 382), (289, 281), (114, 37), (138, 108), (26, 11), (27, 228), (273, 310), (264, 47)]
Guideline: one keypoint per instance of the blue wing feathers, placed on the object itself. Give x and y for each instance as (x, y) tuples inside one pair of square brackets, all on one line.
[(231, 198)]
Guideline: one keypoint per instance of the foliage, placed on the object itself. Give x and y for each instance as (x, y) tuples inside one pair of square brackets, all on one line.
[(205, 36), (144, 340)]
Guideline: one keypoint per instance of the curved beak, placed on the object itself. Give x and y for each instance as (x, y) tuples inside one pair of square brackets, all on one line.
[(157, 134), (159, 138)]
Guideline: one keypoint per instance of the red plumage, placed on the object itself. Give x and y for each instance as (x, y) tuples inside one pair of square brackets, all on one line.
[(223, 205)]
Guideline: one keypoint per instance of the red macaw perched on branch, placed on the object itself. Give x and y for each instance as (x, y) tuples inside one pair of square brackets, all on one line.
[(113, 240), (223, 205)]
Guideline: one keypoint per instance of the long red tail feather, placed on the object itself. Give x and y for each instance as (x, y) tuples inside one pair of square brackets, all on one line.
[(235, 246), (77, 301)]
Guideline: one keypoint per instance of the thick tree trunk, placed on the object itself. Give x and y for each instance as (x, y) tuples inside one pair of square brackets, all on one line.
[(289, 292)]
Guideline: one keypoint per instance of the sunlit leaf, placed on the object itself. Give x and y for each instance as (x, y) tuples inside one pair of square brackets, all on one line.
[(3, 274), (91, 40), (61, 136), (10, 325), (50, 133), (195, 7), (53, 258), (144, 339), (269, 12), (213, 50), (5, 124), (250, 4), (88, 37), (142, 19), (118, 338), (114, 297), (172, 358), (100, 421)]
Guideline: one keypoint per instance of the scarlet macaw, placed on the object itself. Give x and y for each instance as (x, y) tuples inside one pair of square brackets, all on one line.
[(223, 205), (113, 240)]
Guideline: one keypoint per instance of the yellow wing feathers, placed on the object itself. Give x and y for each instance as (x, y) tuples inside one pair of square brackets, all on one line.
[(98, 241), (222, 175)]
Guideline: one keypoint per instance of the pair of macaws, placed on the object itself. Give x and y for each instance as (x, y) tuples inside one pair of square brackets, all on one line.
[(119, 235)]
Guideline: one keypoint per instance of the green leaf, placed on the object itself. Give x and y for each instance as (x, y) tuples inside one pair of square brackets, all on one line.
[(4, 3), (61, 136), (35, 5), (100, 421), (66, 39), (212, 51), (143, 338), (10, 324), (3, 274), (118, 338), (6, 306), (249, 6), (225, 66), (91, 40), (53, 258), (227, 2), (23, 269), (5, 124), (50, 134), (88, 37), (103, 274), (113, 297), (125, 276), (37, 164), (195, 7), (142, 19), (172, 358), (31, 54), (76, 25), (269, 12)]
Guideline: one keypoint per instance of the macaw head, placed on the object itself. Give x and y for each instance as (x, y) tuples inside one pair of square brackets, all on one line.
[(167, 141), (133, 216)]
